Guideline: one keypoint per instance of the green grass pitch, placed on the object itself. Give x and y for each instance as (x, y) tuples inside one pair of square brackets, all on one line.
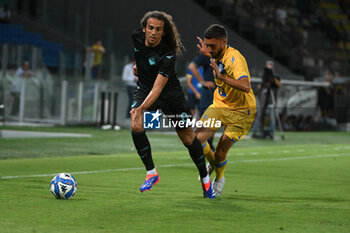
[(298, 185)]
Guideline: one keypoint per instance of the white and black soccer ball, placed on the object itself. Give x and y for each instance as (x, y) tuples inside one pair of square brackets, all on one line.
[(63, 186)]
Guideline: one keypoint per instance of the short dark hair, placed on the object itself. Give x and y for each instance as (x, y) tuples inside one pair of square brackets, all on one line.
[(215, 31)]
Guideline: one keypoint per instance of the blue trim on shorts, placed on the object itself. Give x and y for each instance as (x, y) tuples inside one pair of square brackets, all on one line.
[(205, 144), (243, 76), (236, 141)]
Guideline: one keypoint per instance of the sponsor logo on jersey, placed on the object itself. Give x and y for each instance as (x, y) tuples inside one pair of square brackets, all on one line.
[(152, 61)]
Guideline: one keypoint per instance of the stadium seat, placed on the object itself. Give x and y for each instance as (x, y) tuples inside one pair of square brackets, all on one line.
[(15, 34)]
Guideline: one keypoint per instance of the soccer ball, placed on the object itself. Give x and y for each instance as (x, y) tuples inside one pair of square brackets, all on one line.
[(63, 186)]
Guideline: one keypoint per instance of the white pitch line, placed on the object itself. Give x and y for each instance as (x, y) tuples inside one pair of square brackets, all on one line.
[(182, 165)]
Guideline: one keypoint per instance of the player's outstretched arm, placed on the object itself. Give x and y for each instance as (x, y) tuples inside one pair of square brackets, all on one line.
[(157, 88), (151, 97), (208, 84), (241, 84), (189, 84)]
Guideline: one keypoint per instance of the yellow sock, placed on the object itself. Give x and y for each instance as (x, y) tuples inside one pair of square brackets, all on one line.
[(220, 169), (209, 154)]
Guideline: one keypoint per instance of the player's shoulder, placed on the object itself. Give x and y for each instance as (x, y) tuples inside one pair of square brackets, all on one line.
[(167, 55), (201, 60), (165, 50), (233, 55), (233, 52)]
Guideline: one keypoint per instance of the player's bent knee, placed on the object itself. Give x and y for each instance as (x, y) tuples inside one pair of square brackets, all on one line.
[(187, 136), (137, 128), (187, 142), (203, 134), (200, 137)]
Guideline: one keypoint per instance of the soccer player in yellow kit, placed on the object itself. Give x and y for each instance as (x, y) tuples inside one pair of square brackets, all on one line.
[(234, 100)]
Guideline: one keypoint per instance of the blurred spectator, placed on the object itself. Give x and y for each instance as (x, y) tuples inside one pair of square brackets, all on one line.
[(98, 51), (130, 80), (193, 93), (277, 27), (17, 82), (292, 122), (326, 99), (284, 122), (308, 124), (206, 78), (304, 35), (5, 14), (268, 102), (270, 16), (328, 27), (300, 123), (281, 16)]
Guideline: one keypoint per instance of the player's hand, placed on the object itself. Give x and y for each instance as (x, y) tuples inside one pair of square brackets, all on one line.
[(209, 84), (203, 48), (216, 71), (135, 70), (198, 95), (136, 117)]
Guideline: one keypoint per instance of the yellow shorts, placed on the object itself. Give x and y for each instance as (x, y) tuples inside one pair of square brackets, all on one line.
[(237, 122)]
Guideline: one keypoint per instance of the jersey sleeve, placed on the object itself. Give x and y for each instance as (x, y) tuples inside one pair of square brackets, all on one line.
[(237, 67), (201, 60), (167, 65), (189, 73)]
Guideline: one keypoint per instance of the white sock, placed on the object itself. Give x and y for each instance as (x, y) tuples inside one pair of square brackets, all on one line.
[(152, 172), (205, 179)]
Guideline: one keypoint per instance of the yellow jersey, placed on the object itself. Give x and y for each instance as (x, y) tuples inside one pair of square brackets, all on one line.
[(97, 54), (233, 65)]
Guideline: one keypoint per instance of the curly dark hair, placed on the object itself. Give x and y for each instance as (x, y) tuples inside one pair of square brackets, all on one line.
[(171, 36)]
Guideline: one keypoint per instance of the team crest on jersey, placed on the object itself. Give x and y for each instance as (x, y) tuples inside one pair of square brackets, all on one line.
[(152, 61), (221, 68)]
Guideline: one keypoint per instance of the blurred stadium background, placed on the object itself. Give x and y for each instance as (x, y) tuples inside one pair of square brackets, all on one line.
[(309, 44)]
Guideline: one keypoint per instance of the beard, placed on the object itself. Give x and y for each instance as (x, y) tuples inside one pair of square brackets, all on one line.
[(217, 54)]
